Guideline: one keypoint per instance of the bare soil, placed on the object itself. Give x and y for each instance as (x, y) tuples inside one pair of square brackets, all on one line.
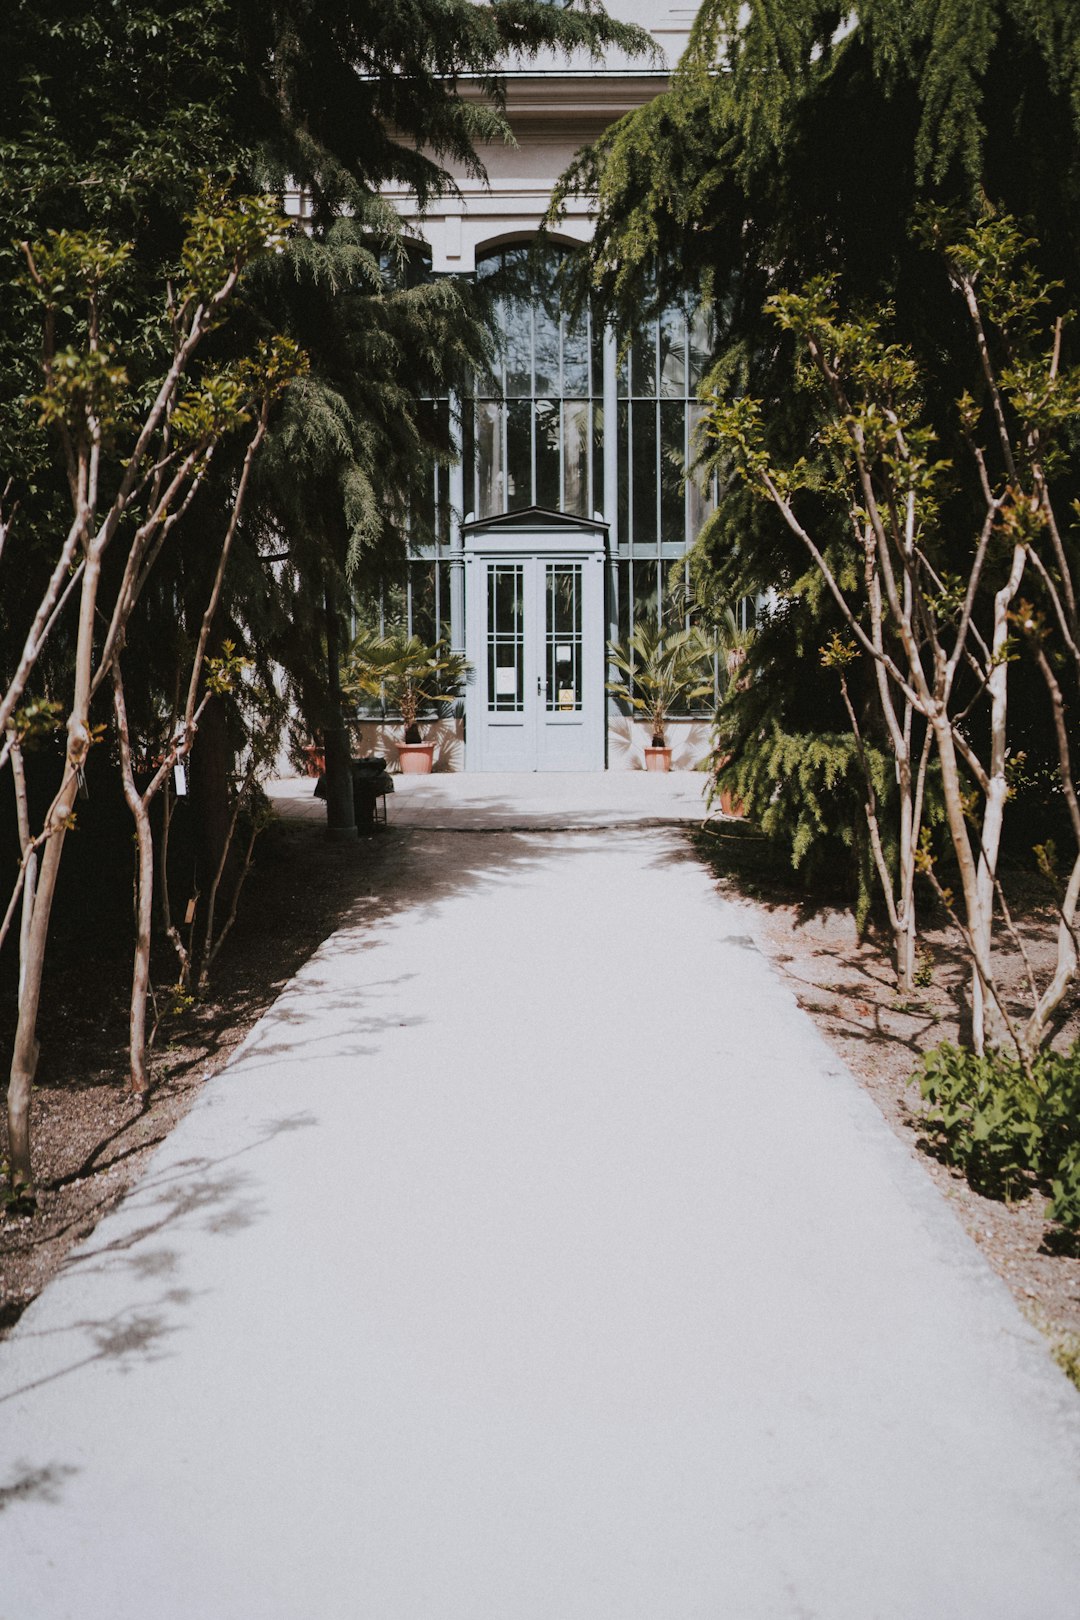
[(848, 987)]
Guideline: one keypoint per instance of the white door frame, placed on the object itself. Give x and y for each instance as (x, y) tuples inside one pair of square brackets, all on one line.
[(536, 732)]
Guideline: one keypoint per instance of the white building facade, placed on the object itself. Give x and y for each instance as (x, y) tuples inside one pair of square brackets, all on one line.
[(563, 517)]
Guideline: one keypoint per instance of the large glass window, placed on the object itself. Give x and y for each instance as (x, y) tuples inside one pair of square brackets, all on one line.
[(535, 431)]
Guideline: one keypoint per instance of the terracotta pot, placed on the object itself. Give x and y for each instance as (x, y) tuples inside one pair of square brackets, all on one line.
[(415, 758), (658, 759)]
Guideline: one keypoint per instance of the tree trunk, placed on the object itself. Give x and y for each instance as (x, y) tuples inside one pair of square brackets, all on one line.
[(140, 977), (905, 909), (29, 854), (1035, 1029), (997, 793), (144, 895), (340, 810), (977, 926), (24, 1057)]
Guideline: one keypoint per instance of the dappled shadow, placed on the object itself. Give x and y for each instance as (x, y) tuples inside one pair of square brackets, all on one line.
[(134, 1333), (1060, 1241), (30, 1484), (214, 1195)]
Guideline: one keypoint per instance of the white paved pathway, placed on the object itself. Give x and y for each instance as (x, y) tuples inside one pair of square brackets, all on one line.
[(491, 801), (535, 1260)]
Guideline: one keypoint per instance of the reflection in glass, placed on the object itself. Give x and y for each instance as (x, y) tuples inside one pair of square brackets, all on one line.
[(643, 470), (623, 449), (673, 354), (700, 489), (543, 442), (421, 606), (575, 361), (547, 453), (596, 499), (489, 457), (702, 341), (576, 456), (647, 592), (672, 466), (563, 637), (516, 323), (519, 490), (546, 367), (643, 360)]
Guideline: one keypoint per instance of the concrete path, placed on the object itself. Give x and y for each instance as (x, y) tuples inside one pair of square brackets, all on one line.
[(496, 802), (535, 1260)]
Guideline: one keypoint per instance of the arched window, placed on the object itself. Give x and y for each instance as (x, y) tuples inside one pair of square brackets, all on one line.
[(564, 402), (531, 434)]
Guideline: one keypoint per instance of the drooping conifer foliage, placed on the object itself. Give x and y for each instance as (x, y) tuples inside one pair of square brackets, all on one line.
[(797, 141), (871, 165)]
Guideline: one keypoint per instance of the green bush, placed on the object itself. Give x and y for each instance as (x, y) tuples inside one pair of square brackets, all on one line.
[(1008, 1132)]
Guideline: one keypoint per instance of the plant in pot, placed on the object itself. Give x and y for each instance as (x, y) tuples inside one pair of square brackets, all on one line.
[(408, 675), (661, 671)]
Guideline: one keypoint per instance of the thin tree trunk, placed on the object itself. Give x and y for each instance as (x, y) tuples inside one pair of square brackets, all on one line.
[(24, 1057), (340, 810), (997, 791), (969, 877), (1065, 968), (29, 853), (144, 892)]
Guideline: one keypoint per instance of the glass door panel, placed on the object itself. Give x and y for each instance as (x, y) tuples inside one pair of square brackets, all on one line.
[(506, 638), (535, 634), (562, 637)]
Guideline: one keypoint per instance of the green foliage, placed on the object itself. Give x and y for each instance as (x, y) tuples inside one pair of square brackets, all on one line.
[(74, 265), (1066, 1352), (662, 670), (1008, 1130), (36, 721), (223, 673), (223, 235), (405, 673), (805, 791), (215, 404)]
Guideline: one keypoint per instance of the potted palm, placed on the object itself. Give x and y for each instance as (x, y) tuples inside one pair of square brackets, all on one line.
[(660, 671), (408, 675)]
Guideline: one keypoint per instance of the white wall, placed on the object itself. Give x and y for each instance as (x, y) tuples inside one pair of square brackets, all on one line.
[(555, 105)]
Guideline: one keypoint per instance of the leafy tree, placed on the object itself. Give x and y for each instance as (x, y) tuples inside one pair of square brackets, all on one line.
[(790, 148), (104, 186)]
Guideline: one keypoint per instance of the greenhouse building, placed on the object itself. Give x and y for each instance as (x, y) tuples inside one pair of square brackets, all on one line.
[(565, 512)]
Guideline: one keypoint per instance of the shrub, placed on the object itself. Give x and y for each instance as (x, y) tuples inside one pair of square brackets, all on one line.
[(1007, 1131)]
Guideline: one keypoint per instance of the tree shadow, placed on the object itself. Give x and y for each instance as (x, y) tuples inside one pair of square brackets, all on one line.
[(213, 1194), (30, 1484)]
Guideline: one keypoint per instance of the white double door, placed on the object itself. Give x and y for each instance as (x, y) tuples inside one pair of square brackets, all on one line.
[(535, 637)]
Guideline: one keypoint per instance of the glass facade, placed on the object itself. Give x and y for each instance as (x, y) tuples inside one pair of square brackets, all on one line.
[(532, 434), (567, 406)]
